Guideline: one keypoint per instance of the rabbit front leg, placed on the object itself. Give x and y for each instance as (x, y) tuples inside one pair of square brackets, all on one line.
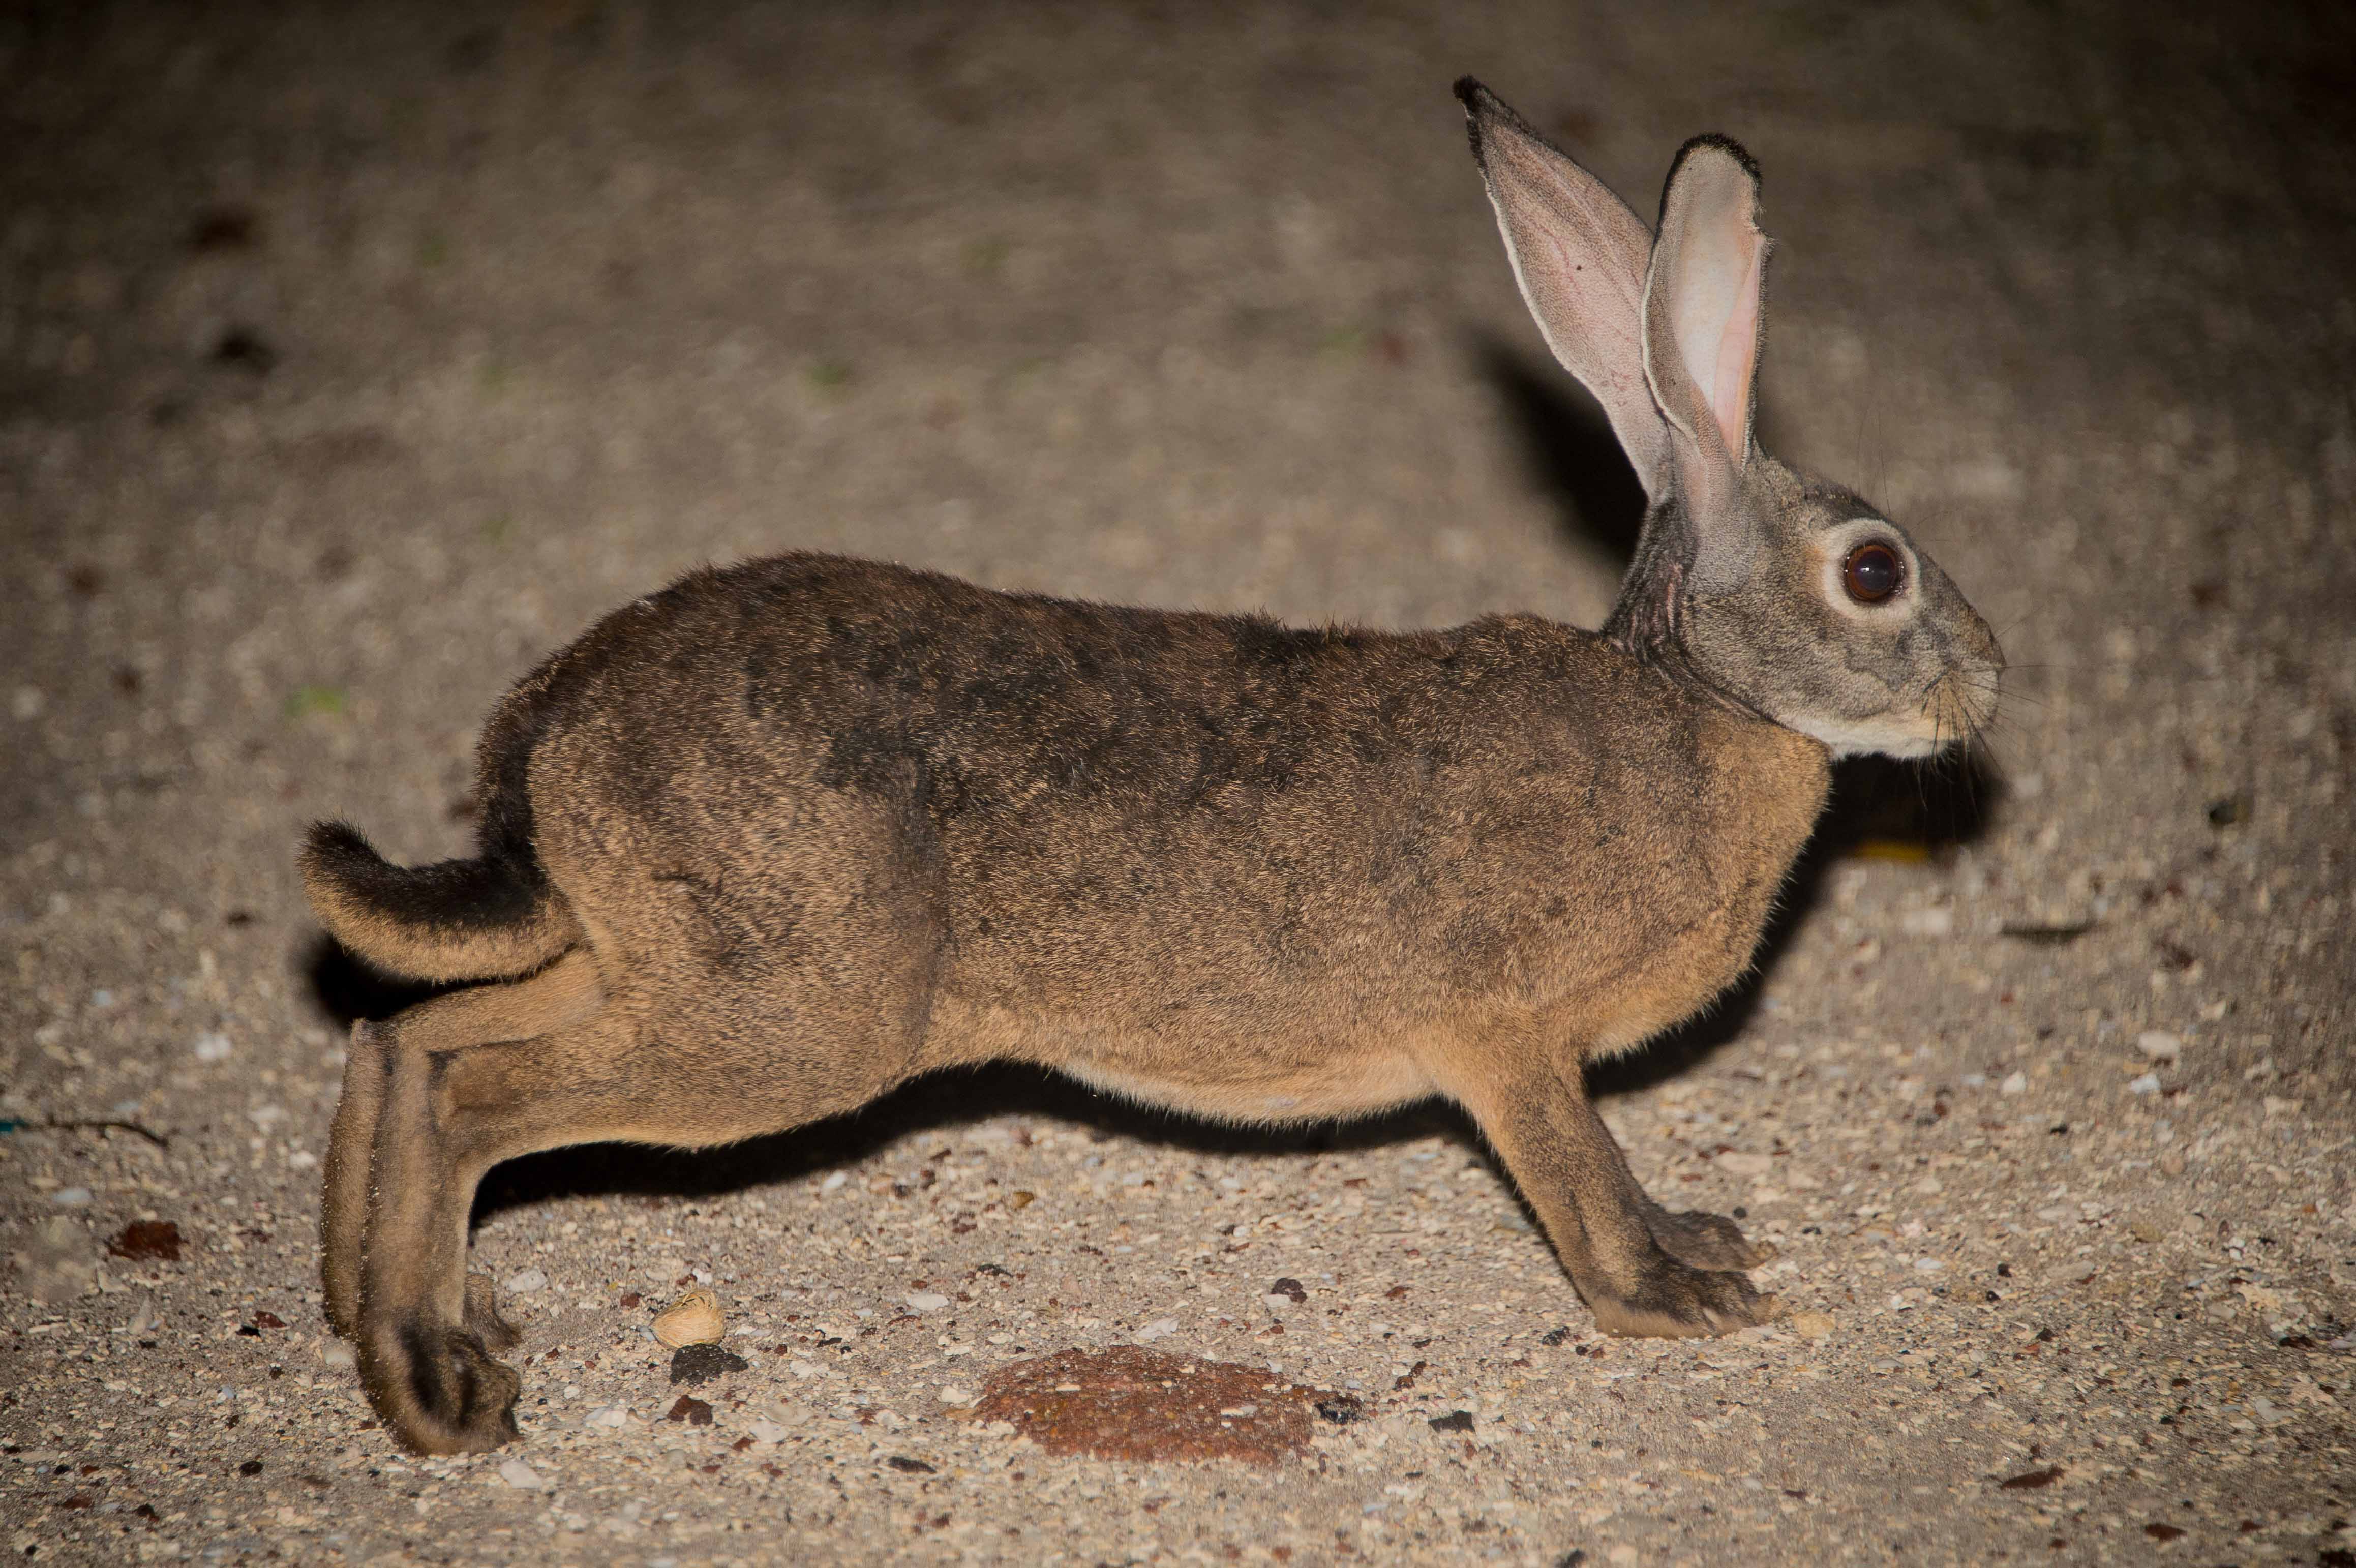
[(1601, 1223)]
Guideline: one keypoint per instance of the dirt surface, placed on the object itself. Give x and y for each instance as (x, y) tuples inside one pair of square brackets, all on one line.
[(349, 362)]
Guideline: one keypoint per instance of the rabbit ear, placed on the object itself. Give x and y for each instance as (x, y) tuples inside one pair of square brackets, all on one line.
[(1704, 316), (1580, 255)]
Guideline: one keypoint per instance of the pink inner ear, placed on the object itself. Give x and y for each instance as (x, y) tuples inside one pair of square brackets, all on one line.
[(1737, 358)]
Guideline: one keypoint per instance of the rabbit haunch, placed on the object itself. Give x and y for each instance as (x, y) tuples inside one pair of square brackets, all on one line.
[(760, 847)]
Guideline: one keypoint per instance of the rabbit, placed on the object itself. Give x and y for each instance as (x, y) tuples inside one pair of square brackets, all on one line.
[(759, 847)]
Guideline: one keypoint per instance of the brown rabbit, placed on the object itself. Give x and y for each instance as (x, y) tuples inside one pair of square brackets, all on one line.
[(759, 847)]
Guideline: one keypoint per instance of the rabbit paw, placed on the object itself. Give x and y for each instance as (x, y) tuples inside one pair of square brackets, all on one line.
[(483, 1319), (441, 1389), (1705, 1240), (1675, 1302)]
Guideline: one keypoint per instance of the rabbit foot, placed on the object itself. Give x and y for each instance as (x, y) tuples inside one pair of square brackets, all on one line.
[(1677, 1302), (440, 1389), (1705, 1240), (483, 1319)]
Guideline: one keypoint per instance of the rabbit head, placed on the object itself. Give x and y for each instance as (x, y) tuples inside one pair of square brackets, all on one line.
[(1786, 595)]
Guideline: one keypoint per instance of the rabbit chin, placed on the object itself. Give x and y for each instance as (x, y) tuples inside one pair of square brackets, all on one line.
[(1886, 735)]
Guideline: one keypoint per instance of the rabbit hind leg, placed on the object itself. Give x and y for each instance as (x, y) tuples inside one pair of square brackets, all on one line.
[(563, 994), (449, 1116)]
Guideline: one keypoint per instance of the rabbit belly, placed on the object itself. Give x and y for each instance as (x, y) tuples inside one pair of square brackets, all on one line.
[(1347, 1088)]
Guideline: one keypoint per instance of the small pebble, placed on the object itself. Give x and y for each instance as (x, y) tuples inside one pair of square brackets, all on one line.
[(1746, 1164), (2148, 1084), (833, 1183), (1810, 1325), (70, 1197), (927, 1301), (522, 1476), (524, 1282), (2017, 1084), (1928, 1265), (2159, 1045), (950, 1394), (610, 1416), (1158, 1329), (764, 1430), (213, 1045), (693, 1319)]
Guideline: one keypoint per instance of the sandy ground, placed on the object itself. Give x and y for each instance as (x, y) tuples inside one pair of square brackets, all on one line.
[(346, 365)]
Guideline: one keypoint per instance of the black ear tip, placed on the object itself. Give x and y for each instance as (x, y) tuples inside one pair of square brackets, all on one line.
[(1711, 141), (1470, 93)]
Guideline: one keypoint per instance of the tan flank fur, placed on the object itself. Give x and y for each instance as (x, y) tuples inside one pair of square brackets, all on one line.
[(761, 846)]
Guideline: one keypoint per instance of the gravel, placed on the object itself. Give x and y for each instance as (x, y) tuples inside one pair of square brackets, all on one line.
[(525, 314)]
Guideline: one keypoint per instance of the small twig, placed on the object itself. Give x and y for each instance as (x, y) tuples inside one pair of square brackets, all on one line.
[(53, 1125)]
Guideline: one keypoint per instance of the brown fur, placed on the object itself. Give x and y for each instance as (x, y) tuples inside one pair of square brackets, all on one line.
[(762, 846), (825, 825)]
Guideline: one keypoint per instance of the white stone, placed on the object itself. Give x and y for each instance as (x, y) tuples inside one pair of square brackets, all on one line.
[(1928, 922), (2159, 1045), (1746, 1164), (522, 1476), (70, 1197), (952, 1394), (524, 1282), (213, 1045), (2017, 1084), (833, 1183), (764, 1430), (1161, 1328), (609, 1415), (2148, 1084), (927, 1301)]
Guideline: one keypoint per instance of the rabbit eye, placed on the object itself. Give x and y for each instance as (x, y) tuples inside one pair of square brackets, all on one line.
[(1871, 572)]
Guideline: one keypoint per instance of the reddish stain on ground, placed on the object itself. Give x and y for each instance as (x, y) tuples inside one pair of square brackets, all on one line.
[(147, 1241), (1132, 1403)]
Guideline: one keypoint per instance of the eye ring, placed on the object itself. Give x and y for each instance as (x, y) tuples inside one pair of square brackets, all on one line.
[(1873, 572)]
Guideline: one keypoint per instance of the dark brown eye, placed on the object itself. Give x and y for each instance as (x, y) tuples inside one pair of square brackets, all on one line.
[(1871, 572)]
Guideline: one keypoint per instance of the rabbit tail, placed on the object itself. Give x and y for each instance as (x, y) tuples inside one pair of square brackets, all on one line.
[(485, 918)]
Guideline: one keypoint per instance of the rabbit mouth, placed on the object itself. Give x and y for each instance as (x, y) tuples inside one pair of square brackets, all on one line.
[(1954, 710)]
